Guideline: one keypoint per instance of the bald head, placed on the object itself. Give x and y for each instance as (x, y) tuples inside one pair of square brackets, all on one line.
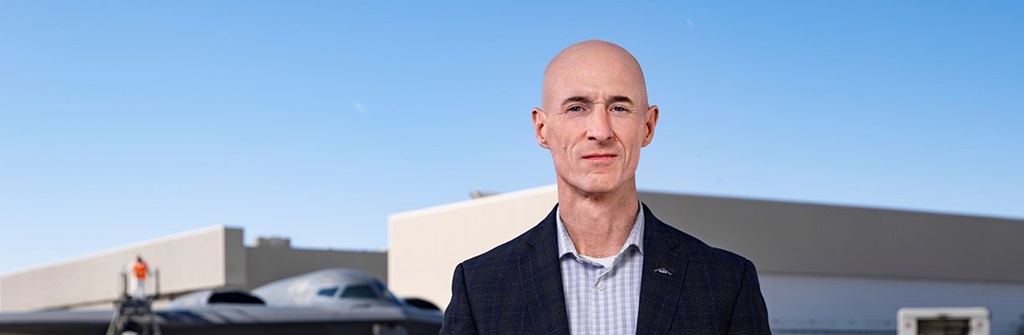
[(595, 119), (591, 66)]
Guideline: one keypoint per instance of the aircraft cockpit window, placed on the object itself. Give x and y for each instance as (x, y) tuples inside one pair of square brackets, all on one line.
[(387, 293), (360, 291), (327, 291)]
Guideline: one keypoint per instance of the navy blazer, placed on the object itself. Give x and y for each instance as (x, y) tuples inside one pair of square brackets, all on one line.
[(516, 288)]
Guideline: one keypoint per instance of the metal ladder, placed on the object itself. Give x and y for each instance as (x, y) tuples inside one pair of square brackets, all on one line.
[(131, 312)]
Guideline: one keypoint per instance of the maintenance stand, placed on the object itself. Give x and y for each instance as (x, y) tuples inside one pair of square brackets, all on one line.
[(135, 315)]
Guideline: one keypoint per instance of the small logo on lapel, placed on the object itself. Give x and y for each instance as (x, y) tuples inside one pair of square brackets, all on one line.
[(663, 271)]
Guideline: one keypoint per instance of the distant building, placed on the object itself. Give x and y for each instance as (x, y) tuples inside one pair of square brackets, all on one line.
[(213, 257), (823, 269)]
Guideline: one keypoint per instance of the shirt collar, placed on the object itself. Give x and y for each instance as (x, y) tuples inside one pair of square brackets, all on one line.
[(566, 246)]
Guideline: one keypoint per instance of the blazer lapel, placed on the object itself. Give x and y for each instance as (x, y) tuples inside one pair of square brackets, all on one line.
[(662, 278), (541, 278)]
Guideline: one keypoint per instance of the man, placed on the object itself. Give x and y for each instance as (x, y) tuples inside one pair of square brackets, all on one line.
[(601, 263), (137, 272)]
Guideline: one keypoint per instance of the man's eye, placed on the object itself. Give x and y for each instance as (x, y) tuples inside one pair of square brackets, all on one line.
[(620, 109), (575, 109)]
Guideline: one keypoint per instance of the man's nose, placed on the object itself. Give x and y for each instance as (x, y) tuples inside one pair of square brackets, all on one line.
[(599, 126)]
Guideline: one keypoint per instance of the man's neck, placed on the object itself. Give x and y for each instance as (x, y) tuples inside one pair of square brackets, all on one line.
[(598, 224)]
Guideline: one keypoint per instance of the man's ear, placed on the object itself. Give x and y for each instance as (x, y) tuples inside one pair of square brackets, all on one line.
[(649, 124), (538, 126)]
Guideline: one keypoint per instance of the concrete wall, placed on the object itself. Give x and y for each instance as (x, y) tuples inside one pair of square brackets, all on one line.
[(270, 263), (779, 237), (188, 261), (802, 304), (426, 245), (207, 258)]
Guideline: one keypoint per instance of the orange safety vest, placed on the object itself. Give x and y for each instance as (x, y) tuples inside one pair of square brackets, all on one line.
[(140, 270)]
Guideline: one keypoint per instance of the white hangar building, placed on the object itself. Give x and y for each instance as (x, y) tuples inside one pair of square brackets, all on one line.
[(208, 258), (823, 269)]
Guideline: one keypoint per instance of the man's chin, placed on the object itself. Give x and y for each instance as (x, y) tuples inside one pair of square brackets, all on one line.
[(596, 189)]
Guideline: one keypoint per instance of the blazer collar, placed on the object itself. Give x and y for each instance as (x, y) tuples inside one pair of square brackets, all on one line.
[(662, 277), (541, 278)]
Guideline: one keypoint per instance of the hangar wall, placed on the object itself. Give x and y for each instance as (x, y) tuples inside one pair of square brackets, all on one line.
[(813, 304), (267, 263), (790, 237), (186, 262), (213, 257), (425, 245)]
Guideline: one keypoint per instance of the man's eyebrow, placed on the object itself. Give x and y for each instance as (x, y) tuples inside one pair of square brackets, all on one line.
[(577, 98), (586, 100), (620, 98)]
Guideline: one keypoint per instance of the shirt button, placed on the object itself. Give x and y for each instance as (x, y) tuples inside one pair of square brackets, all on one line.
[(600, 286)]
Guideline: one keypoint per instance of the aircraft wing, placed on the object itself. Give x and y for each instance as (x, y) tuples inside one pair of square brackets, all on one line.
[(56, 323), (229, 320)]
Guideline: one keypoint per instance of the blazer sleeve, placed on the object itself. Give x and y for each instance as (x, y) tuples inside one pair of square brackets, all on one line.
[(749, 315), (458, 317)]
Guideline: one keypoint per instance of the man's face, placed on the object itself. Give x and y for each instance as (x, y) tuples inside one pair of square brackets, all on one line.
[(595, 118)]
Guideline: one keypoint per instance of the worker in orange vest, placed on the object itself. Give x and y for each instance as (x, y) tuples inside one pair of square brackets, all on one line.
[(137, 272)]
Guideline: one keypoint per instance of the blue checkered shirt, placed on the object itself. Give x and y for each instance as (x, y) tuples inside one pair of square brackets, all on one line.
[(602, 300)]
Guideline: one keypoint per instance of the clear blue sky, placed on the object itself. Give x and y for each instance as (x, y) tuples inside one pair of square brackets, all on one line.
[(122, 121)]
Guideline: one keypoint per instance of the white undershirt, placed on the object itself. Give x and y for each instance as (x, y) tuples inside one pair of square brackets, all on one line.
[(604, 261)]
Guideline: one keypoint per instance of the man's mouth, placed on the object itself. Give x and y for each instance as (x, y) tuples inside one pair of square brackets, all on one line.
[(599, 157)]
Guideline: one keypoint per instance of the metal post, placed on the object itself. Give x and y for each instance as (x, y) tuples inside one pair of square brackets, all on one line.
[(156, 277)]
